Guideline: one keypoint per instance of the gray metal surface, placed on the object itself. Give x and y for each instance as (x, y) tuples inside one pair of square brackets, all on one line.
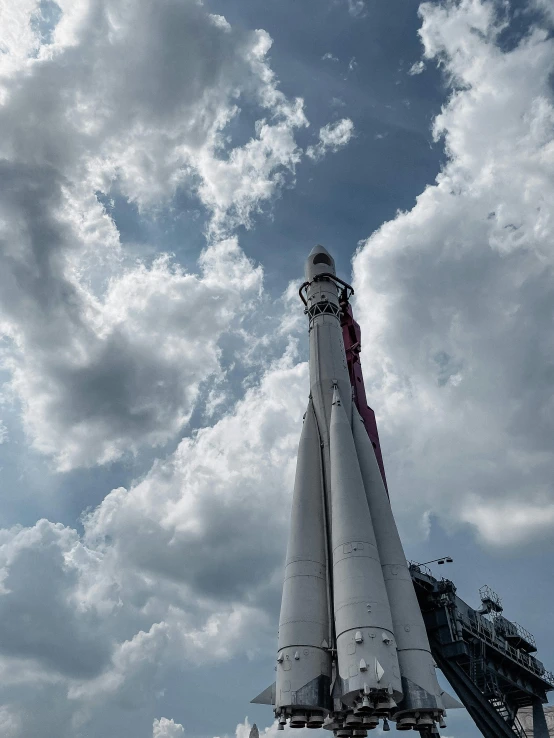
[(419, 682), (304, 659), (540, 727), (494, 678), (366, 646), (337, 653)]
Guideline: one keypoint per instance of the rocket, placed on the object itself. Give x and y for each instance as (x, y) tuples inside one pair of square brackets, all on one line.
[(353, 651)]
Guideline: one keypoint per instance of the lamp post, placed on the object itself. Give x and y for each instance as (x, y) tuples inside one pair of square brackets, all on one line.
[(442, 560)]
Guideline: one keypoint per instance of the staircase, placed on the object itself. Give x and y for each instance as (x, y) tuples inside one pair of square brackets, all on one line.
[(503, 710)]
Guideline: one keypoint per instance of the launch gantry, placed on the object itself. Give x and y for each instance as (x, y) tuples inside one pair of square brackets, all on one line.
[(487, 659)]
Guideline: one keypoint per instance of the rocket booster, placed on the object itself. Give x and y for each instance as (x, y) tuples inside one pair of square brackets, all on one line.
[(352, 649)]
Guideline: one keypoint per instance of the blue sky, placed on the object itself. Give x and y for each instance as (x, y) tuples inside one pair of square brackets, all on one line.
[(167, 166)]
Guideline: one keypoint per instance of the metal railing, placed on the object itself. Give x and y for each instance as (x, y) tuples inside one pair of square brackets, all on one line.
[(488, 596), (513, 630), (524, 634), (488, 634), (421, 568)]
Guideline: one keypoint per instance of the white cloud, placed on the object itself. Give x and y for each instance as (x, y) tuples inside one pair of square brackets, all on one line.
[(106, 355), (101, 620), (332, 137), (9, 723), (126, 370), (164, 728), (510, 522), (352, 64), (416, 68), (234, 188), (457, 302), (546, 7), (223, 23), (211, 500), (46, 624), (19, 38), (357, 8)]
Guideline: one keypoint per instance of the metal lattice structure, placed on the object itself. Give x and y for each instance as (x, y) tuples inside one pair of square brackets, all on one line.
[(486, 658)]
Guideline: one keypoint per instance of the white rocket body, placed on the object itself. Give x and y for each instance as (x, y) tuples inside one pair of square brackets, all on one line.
[(304, 659), (419, 680), (366, 653), (352, 643)]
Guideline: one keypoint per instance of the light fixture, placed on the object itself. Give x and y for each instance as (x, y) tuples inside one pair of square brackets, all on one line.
[(442, 560)]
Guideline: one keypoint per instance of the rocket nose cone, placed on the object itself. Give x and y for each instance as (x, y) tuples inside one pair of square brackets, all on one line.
[(319, 249), (318, 262)]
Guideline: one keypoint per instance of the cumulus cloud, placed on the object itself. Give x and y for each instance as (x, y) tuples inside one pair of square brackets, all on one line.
[(416, 68), (151, 88), (127, 367), (105, 354), (509, 522), (9, 724), (164, 728), (191, 553), (457, 301), (546, 7), (332, 137), (39, 582), (235, 186), (213, 500)]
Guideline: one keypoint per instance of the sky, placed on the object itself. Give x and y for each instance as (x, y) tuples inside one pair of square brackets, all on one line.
[(166, 167)]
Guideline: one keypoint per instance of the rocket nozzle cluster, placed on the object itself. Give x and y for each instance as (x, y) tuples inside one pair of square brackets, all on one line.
[(363, 718), (301, 719), (352, 726)]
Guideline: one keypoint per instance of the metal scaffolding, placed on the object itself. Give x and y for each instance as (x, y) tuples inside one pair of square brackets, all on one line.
[(486, 658)]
